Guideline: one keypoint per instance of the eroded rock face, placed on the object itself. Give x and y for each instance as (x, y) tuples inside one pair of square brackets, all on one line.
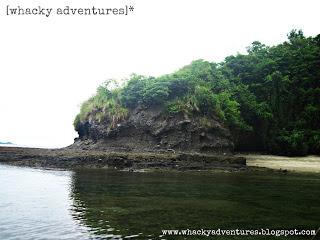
[(150, 129)]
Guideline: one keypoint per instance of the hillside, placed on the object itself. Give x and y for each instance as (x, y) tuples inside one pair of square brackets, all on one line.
[(266, 100)]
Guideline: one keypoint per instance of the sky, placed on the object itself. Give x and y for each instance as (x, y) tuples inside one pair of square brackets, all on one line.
[(50, 65)]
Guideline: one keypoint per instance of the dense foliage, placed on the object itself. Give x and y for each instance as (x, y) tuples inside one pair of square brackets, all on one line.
[(269, 97)]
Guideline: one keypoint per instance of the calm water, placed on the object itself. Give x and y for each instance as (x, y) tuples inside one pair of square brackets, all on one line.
[(100, 204)]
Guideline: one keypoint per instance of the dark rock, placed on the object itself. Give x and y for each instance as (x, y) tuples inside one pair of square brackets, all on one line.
[(75, 158), (152, 130)]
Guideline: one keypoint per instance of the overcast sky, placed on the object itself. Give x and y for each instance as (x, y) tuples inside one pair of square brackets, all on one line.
[(49, 66)]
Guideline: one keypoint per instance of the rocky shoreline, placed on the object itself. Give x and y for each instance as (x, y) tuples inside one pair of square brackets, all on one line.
[(75, 158)]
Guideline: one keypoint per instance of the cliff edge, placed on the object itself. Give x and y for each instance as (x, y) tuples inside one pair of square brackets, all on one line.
[(152, 129), (190, 110)]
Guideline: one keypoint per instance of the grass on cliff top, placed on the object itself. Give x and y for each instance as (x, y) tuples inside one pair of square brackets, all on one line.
[(195, 89), (105, 104)]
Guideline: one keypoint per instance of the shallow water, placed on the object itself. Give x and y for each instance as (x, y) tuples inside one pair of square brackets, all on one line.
[(101, 204)]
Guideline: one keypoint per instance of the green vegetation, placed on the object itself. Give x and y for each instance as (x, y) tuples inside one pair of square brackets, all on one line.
[(105, 104), (269, 97)]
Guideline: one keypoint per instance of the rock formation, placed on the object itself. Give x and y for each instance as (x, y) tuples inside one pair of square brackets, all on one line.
[(153, 130)]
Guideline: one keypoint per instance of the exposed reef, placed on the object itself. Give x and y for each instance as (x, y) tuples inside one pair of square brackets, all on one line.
[(71, 158)]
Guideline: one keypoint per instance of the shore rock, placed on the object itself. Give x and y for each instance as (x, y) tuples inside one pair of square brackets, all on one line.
[(71, 158)]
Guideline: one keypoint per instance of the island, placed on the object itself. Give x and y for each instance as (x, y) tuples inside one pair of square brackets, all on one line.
[(6, 143), (200, 115)]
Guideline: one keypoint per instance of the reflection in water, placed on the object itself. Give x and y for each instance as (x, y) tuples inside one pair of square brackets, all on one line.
[(34, 204), (101, 204), (138, 205)]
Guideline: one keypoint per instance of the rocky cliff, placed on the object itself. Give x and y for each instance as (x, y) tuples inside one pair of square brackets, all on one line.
[(151, 129)]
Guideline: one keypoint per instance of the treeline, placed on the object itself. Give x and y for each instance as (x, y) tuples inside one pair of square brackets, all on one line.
[(269, 97)]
